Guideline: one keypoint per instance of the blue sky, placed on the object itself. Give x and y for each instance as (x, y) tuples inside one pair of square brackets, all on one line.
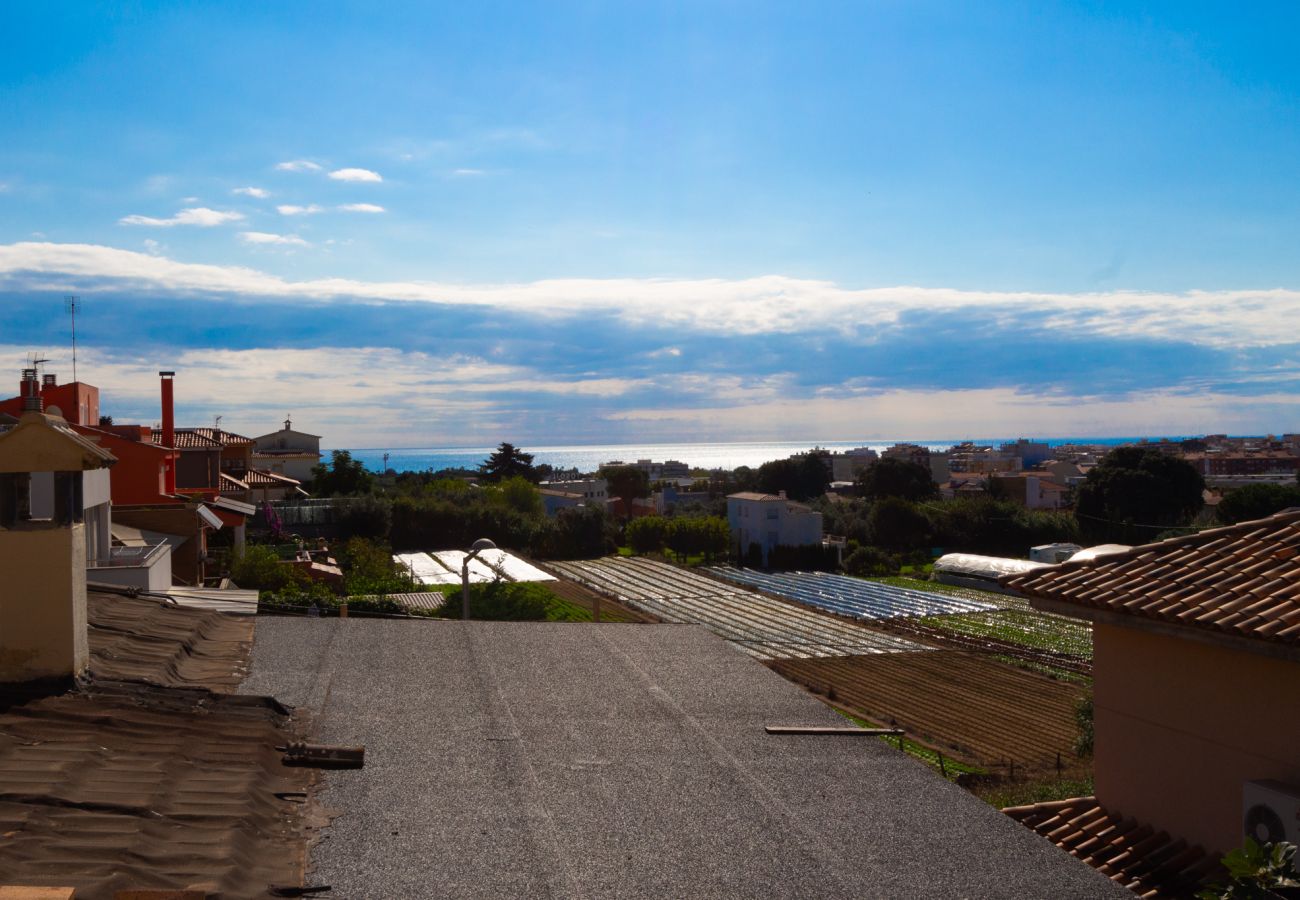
[(417, 225)]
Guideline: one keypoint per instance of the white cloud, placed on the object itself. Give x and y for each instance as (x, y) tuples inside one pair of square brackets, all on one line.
[(468, 173), (4, 187), (770, 304), (665, 351), (288, 209), (259, 193), (152, 247), (199, 216), (354, 396), (362, 207), (950, 415), (355, 175), (266, 238), (298, 165), (371, 396)]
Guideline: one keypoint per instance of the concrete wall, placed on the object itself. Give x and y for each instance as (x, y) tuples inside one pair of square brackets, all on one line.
[(1181, 725), (43, 603), (157, 576)]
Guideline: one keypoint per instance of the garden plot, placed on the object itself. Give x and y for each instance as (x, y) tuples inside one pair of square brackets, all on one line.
[(762, 626)]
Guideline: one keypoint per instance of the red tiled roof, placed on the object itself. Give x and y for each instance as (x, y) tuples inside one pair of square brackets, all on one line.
[(188, 439), (225, 438), (1147, 862), (231, 483), (260, 478), (1242, 580)]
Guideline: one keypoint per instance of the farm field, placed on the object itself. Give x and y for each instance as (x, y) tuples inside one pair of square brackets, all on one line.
[(857, 598), (762, 626), (966, 705), (959, 618), (581, 597)]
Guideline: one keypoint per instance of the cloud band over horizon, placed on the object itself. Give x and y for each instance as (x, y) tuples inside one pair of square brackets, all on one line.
[(571, 360)]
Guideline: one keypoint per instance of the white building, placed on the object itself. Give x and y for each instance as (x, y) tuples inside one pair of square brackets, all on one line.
[(592, 490), (771, 520), (287, 452)]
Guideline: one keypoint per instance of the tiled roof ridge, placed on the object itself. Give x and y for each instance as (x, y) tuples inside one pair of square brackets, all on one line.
[(1208, 534), (1239, 581)]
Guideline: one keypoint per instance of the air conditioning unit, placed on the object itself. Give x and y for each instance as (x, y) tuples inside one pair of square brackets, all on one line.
[(1271, 811)]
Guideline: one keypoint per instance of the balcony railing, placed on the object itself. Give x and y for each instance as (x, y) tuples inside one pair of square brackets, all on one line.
[(128, 556)]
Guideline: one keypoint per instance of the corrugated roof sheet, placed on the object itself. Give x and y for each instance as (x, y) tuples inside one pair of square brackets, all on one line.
[(151, 775), (1243, 580)]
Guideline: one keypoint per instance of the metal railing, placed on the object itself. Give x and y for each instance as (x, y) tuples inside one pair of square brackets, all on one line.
[(124, 557)]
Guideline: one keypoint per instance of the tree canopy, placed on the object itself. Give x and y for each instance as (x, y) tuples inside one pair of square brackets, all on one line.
[(1255, 501), (1135, 492), (626, 482), (508, 461), (801, 477), (344, 476), (894, 477)]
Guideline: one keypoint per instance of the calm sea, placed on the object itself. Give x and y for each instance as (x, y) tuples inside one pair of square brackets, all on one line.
[(704, 456)]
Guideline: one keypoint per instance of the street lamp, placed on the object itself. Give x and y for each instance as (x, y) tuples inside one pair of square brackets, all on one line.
[(479, 546)]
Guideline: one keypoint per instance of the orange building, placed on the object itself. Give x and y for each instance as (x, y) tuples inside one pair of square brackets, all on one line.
[(76, 401), (1196, 691)]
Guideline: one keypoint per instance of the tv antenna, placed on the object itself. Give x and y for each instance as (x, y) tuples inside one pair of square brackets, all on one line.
[(71, 304), (216, 423)]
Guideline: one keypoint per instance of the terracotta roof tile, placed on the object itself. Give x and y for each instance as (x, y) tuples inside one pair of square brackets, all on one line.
[(1150, 863), (1242, 580), (188, 439)]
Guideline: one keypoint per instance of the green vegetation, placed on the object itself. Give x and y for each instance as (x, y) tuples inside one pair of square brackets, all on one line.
[(513, 601), (508, 461), (1255, 501), (802, 477), (1136, 492), (342, 477), (1027, 628), (700, 539), (896, 479), (1255, 872), (1000, 793), (1083, 718), (949, 767), (628, 483)]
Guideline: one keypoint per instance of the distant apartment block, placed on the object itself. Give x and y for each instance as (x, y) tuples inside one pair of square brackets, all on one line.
[(771, 520), (656, 471)]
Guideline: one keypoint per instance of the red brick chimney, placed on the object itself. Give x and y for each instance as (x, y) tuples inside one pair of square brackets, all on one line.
[(168, 428)]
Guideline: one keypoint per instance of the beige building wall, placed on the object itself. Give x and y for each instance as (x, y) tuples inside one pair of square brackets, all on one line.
[(43, 631), (1181, 725)]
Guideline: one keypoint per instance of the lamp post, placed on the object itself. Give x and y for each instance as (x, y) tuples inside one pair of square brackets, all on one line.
[(479, 546)]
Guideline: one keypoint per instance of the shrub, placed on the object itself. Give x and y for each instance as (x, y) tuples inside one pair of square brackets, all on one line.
[(866, 561), (502, 601)]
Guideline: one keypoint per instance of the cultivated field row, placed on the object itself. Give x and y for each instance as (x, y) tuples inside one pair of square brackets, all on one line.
[(762, 626)]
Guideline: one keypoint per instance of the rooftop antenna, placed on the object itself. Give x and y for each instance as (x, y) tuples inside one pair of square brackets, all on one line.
[(35, 361), (216, 423), (70, 305)]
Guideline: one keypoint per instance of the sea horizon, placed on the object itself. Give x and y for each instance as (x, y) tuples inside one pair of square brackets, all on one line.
[(703, 455)]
